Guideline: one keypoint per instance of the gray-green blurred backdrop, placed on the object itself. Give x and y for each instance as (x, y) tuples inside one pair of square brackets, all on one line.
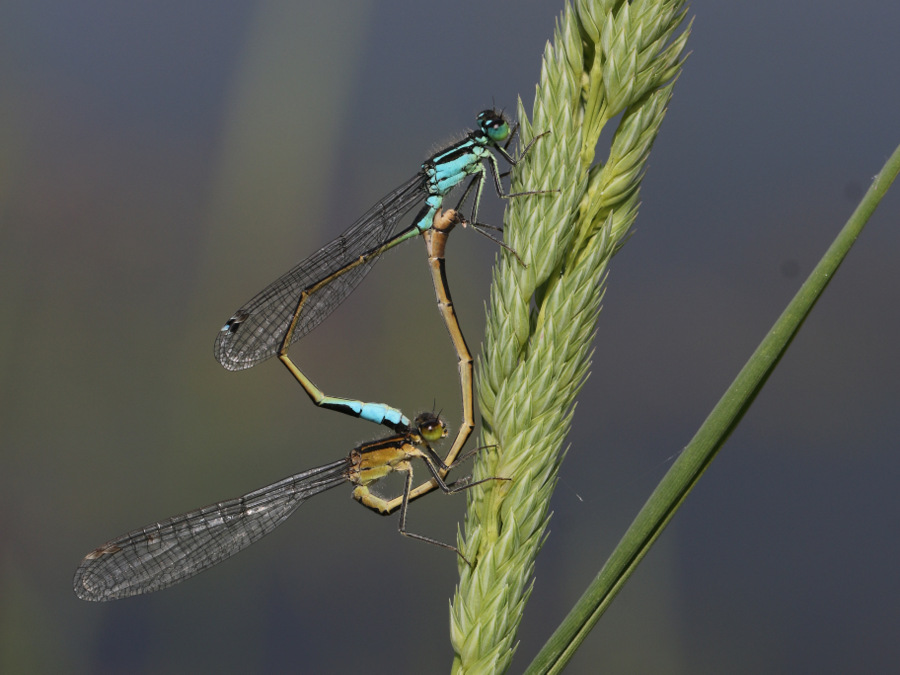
[(161, 162)]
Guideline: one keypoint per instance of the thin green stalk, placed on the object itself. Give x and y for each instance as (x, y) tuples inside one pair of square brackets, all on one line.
[(607, 59)]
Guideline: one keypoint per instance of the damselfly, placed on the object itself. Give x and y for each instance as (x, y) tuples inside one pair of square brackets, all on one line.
[(435, 243), (168, 552), (302, 298)]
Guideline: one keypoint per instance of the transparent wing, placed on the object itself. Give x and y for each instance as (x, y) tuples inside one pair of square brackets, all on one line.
[(165, 553), (254, 333)]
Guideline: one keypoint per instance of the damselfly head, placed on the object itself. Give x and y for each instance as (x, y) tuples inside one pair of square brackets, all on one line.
[(430, 426), (494, 125)]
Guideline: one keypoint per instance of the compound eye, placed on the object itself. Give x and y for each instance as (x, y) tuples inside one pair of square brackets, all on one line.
[(493, 125), (431, 427)]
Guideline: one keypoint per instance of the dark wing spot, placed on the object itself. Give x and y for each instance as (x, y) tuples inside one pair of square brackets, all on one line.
[(235, 321), (102, 551)]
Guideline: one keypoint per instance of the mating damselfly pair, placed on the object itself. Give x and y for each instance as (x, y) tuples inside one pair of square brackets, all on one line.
[(167, 552)]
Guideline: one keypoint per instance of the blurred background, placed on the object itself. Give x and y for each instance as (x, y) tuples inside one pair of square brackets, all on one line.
[(161, 162)]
